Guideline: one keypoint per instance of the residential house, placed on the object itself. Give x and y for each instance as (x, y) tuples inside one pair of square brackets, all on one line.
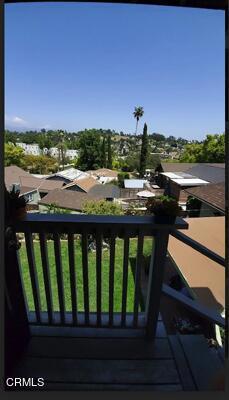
[(30, 149), (66, 199), (68, 175), (54, 152), (16, 175), (211, 199), (104, 175), (107, 192), (82, 185), (176, 183)]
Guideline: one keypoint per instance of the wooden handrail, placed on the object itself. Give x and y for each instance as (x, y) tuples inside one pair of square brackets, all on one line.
[(199, 247), (70, 223), (194, 306)]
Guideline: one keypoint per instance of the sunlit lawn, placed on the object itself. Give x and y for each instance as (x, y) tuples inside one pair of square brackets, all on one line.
[(79, 275)]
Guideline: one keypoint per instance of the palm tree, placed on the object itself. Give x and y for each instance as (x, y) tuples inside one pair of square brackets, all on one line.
[(138, 113)]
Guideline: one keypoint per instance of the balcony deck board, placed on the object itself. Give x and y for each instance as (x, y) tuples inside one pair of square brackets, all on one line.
[(97, 348), (128, 363), (100, 371)]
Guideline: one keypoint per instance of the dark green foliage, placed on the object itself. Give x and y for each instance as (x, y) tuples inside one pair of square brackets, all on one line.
[(121, 177), (158, 137), (193, 206), (16, 202), (144, 153), (103, 153), (109, 152), (102, 207), (163, 206), (90, 151), (212, 150)]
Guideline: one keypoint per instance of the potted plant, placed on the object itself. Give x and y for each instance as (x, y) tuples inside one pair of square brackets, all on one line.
[(165, 208), (17, 203)]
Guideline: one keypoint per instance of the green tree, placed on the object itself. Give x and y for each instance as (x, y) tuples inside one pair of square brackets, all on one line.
[(212, 150), (90, 150), (144, 153), (103, 153), (109, 152), (102, 207), (13, 155), (138, 113), (62, 148), (39, 164), (121, 177)]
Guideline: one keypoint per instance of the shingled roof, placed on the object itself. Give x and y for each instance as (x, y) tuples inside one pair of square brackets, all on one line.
[(177, 167), (68, 199), (14, 174), (213, 194), (103, 172), (213, 173), (85, 184), (105, 191)]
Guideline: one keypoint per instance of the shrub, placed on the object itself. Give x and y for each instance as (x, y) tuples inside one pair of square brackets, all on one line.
[(163, 206), (102, 207)]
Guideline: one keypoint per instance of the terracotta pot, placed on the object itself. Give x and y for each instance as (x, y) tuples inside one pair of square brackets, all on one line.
[(19, 213)]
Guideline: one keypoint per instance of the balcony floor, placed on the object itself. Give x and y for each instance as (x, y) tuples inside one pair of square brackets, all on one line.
[(118, 359)]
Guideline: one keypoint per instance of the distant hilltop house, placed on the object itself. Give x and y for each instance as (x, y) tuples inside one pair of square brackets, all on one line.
[(34, 149), (69, 175), (104, 175), (30, 149), (54, 152)]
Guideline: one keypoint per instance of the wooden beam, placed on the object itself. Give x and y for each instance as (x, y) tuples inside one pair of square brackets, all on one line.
[(194, 306)]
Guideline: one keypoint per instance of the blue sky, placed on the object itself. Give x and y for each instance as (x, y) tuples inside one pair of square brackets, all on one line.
[(80, 65)]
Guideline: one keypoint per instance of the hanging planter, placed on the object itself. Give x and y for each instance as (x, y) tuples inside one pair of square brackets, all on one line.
[(17, 204), (164, 208)]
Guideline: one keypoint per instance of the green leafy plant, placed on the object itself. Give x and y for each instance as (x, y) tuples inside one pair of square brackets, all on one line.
[(16, 201), (193, 206), (163, 206), (102, 207)]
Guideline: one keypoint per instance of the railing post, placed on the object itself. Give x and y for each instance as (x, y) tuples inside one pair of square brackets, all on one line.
[(156, 273)]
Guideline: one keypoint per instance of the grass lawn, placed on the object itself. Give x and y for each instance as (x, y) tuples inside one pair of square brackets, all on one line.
[(79, 275)]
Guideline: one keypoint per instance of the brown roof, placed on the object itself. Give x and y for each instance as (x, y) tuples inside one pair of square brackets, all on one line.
[(14, 174), (177, 167), (66, 199), (104, 172), (25, 189), (41, 184), (205, 277), (213, 194), (85, 184)]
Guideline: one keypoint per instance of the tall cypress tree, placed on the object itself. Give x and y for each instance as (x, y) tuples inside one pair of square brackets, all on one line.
[(103, 153), (144, 152), (109, 153)]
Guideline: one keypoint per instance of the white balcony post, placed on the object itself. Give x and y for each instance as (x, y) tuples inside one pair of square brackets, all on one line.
[(156, 273)]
